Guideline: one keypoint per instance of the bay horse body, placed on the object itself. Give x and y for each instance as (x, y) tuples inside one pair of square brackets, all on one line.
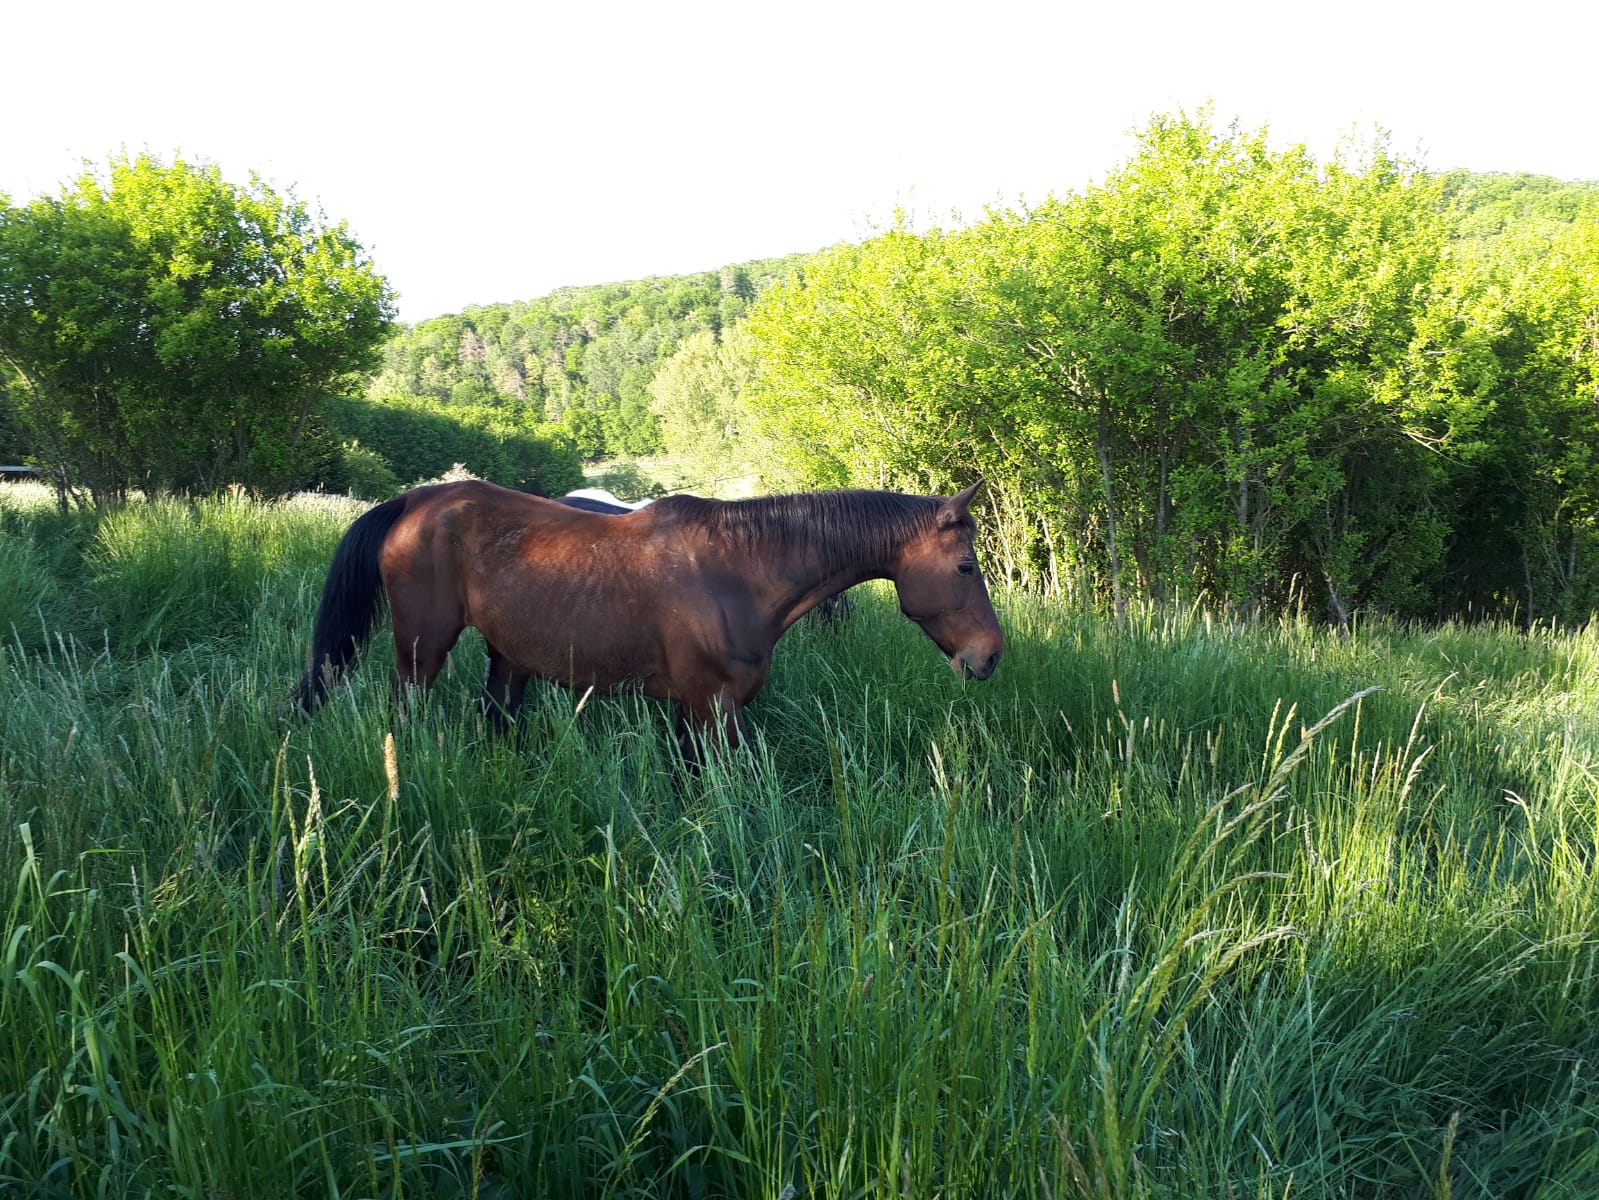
[(830, 610), (685, 598)]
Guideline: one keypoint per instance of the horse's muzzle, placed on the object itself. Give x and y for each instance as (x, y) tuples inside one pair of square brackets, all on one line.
[(972, 664)]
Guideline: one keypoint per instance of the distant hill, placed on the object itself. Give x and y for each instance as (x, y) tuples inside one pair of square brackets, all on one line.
[(1491, 205), (580, 357)]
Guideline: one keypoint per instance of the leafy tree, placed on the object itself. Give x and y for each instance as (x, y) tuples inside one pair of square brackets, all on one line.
[(698, 398), (172, 330), (863, 370), (472, 393), (16, 443), (637, 430), (1527, 539), (583, 425), (1227, 365)]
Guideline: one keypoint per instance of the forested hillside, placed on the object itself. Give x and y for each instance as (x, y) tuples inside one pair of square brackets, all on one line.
[(581, 358), (1489, 206)]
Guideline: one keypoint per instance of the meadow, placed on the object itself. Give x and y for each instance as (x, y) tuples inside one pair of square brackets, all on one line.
[(1196, 906)]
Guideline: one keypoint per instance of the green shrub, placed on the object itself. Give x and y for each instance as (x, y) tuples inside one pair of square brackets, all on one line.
[(170, 573), (421, 441), (627, 481), (367, 474), (32, 604)]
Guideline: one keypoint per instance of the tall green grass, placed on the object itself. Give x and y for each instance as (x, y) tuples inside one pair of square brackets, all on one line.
[(1187, 908)]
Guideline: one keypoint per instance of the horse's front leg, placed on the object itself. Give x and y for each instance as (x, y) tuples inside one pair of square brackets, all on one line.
[(709, 723), (502, 691)]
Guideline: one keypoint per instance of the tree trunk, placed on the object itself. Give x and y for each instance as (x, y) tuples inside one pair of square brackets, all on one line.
[(1112, 526)]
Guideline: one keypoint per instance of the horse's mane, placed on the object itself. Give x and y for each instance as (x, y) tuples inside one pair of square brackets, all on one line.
[(842, 529)]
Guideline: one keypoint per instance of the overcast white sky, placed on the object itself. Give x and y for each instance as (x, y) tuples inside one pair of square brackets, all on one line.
[(494, 151)]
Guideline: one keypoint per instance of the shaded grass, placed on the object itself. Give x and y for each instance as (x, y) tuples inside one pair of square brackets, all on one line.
[(1180, 909)]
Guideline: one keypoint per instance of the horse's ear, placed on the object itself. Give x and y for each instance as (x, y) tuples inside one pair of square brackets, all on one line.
[(955, 510)]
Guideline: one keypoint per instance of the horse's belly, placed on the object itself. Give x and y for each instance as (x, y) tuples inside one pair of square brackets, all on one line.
[(603, 673), (582, 652)]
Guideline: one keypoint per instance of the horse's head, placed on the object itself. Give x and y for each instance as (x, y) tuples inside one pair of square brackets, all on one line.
[(941, 588)]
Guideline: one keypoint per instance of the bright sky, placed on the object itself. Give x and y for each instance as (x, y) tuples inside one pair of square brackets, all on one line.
[(494, 151)]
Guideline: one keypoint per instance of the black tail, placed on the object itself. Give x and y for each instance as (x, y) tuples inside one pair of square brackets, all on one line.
[(352, 598)]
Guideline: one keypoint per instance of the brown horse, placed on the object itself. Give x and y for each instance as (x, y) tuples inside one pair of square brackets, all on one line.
[(685, 598)]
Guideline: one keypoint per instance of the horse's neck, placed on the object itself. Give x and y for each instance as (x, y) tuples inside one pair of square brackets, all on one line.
[(796, 551), (806, 576)]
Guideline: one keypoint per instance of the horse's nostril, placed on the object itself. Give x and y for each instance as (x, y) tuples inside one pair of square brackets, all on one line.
[(972, 667)]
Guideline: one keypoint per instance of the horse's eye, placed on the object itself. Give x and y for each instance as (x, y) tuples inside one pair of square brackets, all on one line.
[(967, 568)]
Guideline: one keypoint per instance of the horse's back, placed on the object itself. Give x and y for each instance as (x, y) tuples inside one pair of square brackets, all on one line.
[(565, 593)]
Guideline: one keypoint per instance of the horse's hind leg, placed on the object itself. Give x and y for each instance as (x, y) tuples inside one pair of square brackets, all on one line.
[(502, 690), (421, 645)]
